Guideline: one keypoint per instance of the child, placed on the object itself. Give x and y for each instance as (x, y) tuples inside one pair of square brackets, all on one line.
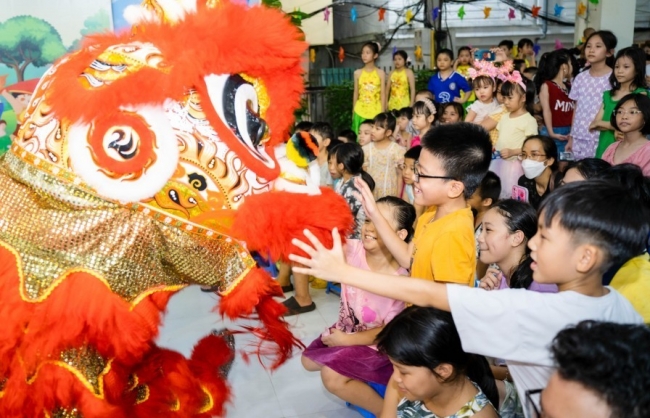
[(451, 112), (323, 133), (432, 372), (369, 82), (557, 107), (401, 83), (485, 196), (490, 123), (331, 164), (344, 354), (403, 137), (585, 169), (445, 177), (483, 75), (507, 228), (632, 118), (447, 85), (304, 126), (526, 52), (540, 165), (513, 129), (408, 169), (424, 114), (506, 46), (464, 61), (519, 65), (347, 135), (587, 91), (365, 132), (530, 73), (583, 229), (383, 157), (347, 162), (628, 77)]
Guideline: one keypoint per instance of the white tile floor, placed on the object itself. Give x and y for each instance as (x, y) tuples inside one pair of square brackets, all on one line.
[(290, 391)]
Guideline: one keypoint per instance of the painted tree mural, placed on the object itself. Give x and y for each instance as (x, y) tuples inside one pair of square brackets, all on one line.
[(26, 40)]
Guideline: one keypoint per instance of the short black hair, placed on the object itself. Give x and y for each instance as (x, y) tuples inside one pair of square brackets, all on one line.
[(516, 64), (549, 147), (459, 109), (426, 93), (490, 187), (643, 103), (367, 122), (323, 129), (386, 120), (406, 112), (413, 153), (601, 213), (589, 168), (349, 135), (523, 42), (611, 360), (465, 150), (631, 178), (507, 43), (464, 48), (610, 41), (448, 52), (304, 126)]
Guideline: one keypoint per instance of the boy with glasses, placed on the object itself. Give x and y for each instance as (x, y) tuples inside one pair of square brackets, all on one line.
[(453, 161)]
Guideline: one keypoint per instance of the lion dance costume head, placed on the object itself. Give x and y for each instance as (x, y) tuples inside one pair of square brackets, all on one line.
[(148, 161)]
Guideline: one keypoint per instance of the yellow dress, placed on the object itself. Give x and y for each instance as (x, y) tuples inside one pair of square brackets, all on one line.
[(399, 90), (369, 103)]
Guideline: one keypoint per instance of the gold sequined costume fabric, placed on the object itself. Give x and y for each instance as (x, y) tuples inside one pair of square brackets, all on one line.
[(57, 226)]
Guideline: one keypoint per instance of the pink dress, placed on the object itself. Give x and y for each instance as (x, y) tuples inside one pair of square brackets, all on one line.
[(359, 311), (415, 141), (587, 91), (641, 157)]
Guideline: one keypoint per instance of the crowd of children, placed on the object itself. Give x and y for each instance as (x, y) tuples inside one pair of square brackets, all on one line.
[(536, 185)]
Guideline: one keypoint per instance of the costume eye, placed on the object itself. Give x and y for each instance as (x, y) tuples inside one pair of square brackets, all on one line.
[(236, 102)]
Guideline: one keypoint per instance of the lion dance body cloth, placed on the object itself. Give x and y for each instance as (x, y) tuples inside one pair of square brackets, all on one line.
[(146, 162)]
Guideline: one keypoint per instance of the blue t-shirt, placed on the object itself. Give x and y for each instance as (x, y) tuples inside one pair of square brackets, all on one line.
[(445, 91)]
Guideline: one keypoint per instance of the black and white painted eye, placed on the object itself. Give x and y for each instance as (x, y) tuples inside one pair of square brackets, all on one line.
[(237, 104)]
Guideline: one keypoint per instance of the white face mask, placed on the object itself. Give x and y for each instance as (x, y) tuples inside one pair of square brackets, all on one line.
[(532, 168)]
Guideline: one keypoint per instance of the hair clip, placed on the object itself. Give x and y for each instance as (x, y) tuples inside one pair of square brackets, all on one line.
[(514, 77), (483, 68)]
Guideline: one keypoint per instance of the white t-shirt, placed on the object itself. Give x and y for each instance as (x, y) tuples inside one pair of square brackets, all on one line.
[(519, 325)]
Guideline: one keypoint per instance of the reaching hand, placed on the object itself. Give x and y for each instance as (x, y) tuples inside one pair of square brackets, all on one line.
[(323, 263), (491, 280), (506, 153), (367, 199)]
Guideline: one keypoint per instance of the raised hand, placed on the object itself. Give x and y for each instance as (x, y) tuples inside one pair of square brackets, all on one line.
[(322, 263)]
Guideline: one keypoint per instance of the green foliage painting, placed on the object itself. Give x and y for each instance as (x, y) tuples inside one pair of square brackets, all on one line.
[(26, 40)]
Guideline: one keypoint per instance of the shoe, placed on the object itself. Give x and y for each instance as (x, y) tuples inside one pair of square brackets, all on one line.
[(287, 288), (318, 284), (294, 308)]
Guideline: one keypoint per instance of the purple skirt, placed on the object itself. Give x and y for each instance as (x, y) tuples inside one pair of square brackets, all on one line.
[(357, 362)]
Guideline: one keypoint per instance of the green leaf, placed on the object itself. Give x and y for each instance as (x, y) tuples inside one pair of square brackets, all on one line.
[(275, 4)]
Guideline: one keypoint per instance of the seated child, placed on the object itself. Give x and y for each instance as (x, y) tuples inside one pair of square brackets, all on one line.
[(410, 158), (365, 132), (481, 201), (403, 136), (432, 372), (451, 112), (583, 230), (344, 354)]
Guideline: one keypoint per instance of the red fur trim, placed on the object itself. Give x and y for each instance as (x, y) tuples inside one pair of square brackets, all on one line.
[(208, 355), (257, 290), (281, 216)]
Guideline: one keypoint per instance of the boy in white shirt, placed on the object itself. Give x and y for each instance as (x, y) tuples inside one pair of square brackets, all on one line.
[(584, 228)]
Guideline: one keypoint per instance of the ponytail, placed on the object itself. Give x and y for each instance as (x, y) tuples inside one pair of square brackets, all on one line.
[(478, 371), (368, 179), (522, 278)]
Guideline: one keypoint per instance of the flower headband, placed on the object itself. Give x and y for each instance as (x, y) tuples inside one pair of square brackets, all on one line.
[(506, 74), (483, 68), (429, 104)]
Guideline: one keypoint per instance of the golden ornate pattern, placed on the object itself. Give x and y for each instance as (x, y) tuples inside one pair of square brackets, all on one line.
[(65, 413), (134, 252)]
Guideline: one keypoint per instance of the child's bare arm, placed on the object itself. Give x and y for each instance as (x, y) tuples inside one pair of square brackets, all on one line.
[(330, 265), (391, 400)]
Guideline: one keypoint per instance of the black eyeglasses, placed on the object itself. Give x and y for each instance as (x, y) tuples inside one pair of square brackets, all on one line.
[(532, 403), (417, 176)]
